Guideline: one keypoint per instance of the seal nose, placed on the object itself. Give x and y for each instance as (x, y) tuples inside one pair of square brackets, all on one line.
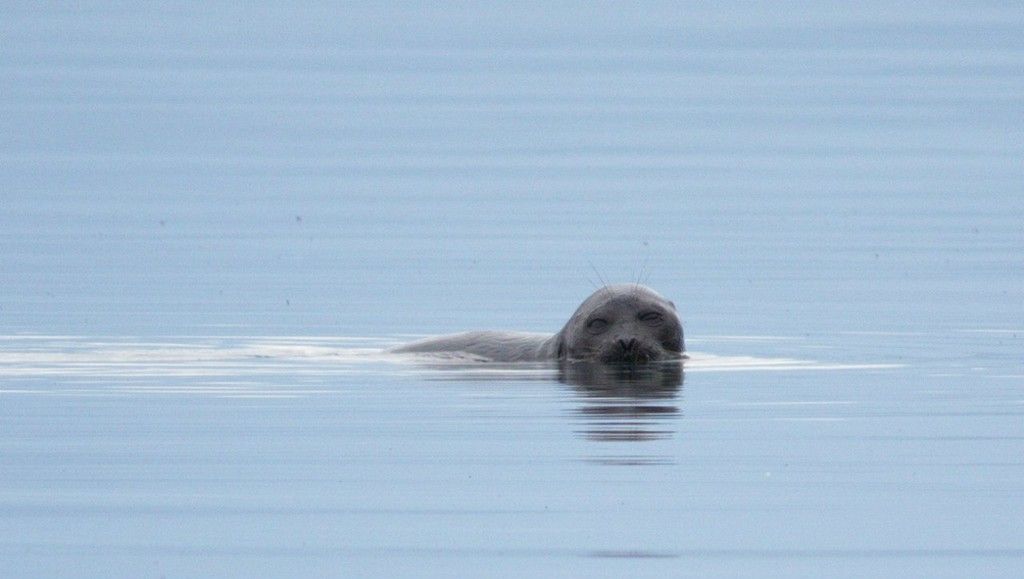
[(627, 344)]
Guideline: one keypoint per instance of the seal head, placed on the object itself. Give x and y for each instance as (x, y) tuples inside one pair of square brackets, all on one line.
[(624, 323)]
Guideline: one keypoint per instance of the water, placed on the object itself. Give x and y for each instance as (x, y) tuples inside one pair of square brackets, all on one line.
[(214, 217)]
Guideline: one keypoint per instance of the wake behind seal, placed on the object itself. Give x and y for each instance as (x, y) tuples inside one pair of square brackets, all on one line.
[(617, 324)]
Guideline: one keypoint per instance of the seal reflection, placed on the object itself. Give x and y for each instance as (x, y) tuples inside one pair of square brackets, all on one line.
[(623, 403), (618, 403)]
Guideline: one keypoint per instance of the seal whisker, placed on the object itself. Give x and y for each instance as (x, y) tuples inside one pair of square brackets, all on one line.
[(604, 284)]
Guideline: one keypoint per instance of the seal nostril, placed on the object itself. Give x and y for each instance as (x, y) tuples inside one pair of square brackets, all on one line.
[(627, 344)]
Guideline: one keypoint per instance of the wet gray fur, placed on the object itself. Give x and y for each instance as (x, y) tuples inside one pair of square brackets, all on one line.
[(617, 323)]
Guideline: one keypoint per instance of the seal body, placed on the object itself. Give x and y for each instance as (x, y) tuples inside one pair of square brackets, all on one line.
[(624, 323)]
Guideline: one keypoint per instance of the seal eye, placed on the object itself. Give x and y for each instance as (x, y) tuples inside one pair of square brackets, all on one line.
[(651, 318), (597, 325)]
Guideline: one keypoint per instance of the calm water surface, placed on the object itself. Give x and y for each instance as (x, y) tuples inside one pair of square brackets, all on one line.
[(213, 218)]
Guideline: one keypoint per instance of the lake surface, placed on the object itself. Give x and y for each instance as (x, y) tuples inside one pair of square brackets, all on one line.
[(214, 218)]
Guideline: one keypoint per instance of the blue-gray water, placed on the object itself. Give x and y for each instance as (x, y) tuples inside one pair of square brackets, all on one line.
[(213, 216)]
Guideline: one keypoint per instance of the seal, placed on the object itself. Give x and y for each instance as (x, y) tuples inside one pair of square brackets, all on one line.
[(617, 324)]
